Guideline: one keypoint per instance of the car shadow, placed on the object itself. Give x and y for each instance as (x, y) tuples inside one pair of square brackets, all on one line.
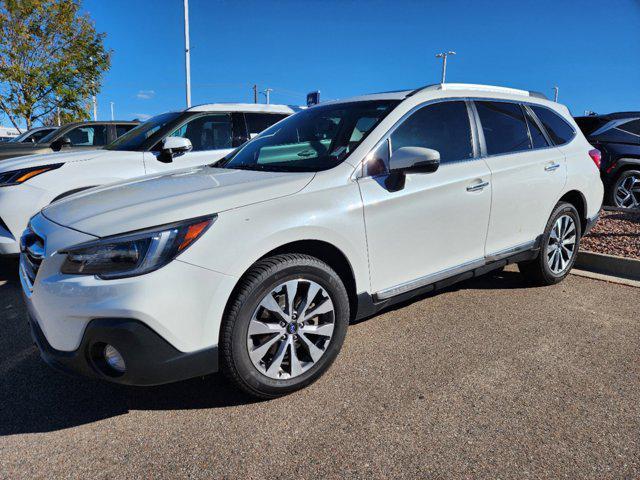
[(36, 398)]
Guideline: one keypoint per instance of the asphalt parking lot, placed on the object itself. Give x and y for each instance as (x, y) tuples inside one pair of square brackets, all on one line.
[(486, 379)]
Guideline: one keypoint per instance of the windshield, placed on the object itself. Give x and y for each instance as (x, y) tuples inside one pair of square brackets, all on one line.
[(134, 138), (312, 140)]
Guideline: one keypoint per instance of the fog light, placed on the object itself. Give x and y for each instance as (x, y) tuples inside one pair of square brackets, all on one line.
[(114, 359)]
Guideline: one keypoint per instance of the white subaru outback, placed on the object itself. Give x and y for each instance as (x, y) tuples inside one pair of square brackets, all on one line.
[(256, 264), (170, 141)]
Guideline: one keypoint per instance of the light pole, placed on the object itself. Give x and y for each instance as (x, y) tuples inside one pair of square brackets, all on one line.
[(187, 57), (444, 56), (266, 93), (555, 93), (112, 115)]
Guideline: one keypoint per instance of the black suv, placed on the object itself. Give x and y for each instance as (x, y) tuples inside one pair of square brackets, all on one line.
[(617, 136)]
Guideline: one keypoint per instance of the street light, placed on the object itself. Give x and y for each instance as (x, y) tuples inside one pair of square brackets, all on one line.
[(266, 93), (187, 57), (444, 56), (112, 116), (555, 93)]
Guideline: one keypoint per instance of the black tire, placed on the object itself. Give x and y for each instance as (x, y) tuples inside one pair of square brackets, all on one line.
[(611, 193), (263, 277), (537, 271)]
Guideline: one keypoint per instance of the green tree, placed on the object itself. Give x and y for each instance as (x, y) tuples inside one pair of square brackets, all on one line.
[(50, 56)]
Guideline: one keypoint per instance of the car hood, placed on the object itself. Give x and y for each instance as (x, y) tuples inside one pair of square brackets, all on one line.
[(159, 199), (58, 157)]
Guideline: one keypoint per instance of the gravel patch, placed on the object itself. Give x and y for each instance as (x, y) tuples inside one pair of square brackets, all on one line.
[(616, 233)]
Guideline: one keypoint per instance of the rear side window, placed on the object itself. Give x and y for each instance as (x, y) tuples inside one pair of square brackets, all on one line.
[(442, 126), (257, 122), (504, 127), (88, 136), (557, 127), (537, 137), (632, 127)]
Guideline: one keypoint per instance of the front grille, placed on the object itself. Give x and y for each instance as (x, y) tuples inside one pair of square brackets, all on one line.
[(31, 253)]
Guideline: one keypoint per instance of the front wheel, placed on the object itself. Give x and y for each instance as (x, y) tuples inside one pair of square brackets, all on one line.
[(558, 248), (285, 325)]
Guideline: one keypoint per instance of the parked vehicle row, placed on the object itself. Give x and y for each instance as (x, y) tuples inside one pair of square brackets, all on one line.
[(73, 136), (196, 136), (255, 262), (617, 136)]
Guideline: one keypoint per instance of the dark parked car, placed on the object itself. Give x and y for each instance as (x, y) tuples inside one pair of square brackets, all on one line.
[(78, 135), (34, 135), (617, 136)]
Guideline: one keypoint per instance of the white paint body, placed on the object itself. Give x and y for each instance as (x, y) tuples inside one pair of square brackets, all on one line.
[(432, 225), (90, 168)]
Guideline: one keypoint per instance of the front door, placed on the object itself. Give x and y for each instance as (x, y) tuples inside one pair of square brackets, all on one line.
[(211, 137), (436, 225)]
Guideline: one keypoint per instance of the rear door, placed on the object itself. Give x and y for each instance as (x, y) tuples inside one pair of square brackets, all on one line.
[(528, 174)]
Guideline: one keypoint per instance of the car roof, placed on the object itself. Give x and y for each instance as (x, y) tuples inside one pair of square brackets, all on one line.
[(467, 88), (245, 107)]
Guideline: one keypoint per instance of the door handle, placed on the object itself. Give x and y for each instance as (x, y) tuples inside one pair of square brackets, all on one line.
[(477, 187), (551, 167)]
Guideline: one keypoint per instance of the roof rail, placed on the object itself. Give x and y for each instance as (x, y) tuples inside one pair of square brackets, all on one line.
[(484, 88)]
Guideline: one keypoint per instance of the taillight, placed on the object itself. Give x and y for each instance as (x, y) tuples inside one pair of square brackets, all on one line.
[(596, 156)]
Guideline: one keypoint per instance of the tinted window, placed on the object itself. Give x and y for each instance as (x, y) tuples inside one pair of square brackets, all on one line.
[(39, 135), (504, 127), (315, 139), (537, 137), (122, 129), (558, 129), (441, 126), (589, 125), (257, 122), (136, 137), (208, 132), (631, 127), (88, 136)]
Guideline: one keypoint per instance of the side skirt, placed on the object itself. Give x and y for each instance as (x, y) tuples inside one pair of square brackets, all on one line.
[(369, 305)]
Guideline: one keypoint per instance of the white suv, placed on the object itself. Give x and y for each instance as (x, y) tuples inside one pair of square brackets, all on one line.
[(255, 265), (196, 136)]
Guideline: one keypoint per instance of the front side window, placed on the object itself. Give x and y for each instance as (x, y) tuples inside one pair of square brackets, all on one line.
[(558, 129), (442, 126), (258, 122), (312, 140), (207, 132), (136, 138), (88, 136), (123, 128), (504, 127)]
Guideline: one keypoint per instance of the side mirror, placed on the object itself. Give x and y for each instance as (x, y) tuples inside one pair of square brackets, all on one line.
[(410, 160), (60, 143), (173, 147), (414, 159)]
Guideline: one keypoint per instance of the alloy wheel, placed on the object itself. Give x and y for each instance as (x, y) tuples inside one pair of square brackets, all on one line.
[(561, 246), (627, 192), (291, 329)]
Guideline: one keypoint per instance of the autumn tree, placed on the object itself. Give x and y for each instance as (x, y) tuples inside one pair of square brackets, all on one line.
[(50, 57)]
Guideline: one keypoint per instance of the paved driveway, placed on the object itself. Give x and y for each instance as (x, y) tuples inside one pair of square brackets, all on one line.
[(487, 379)]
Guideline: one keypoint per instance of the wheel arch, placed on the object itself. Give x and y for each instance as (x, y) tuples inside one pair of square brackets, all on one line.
[(322, 250), (578, 200)]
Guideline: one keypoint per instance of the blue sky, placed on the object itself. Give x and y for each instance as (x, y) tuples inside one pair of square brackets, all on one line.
[(590, 49)]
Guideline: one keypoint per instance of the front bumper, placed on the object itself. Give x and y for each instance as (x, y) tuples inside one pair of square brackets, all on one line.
[(149, 359)]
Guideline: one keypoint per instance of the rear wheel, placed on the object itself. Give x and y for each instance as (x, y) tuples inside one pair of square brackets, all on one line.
[(285, 325), (558, 248), (626, 190)]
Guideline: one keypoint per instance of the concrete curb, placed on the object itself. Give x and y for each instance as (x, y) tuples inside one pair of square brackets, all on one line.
[(611, 265)]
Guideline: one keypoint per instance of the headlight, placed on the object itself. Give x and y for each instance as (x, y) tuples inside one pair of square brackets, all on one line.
[(134, 253), (16, 177)]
